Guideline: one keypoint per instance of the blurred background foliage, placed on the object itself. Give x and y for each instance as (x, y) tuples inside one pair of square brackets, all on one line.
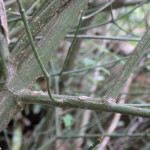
[(39, 127)]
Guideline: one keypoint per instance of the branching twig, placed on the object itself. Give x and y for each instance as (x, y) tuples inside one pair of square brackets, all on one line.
[(28, 30), (97, 11), (84, 102)]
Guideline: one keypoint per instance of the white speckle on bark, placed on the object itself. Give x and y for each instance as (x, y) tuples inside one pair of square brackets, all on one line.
[(111, 101), (83, 97)]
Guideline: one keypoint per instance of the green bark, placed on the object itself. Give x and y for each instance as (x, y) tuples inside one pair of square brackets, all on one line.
[(83, 102)]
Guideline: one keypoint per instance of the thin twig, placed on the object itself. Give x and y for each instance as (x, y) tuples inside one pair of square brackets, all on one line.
[(97, 11), (72, 44), (104, 37), (28, 30), (89, 68), (107, 22)]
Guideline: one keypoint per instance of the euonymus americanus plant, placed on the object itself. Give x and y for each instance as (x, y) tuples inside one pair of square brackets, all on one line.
[(53, 20)]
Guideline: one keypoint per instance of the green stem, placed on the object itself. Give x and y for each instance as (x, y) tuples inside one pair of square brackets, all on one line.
[(89, 68), (107, 22), (107, 135), (5, 56), (83, 102), (98, 11), (72, 44), (132, 61), (28, 30), (68, 36)]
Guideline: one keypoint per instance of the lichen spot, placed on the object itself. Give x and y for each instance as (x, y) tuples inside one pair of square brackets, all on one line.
[(111, 101), (83, 97), (34, 93)]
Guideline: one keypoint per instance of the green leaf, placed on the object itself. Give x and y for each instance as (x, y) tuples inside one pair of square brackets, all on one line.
[(37, 87), (90, 143), (17, 138), (36, 109), (67, 119), (88, 62), (148, 67), (94, 145), (100, 78), (105, 70), (121, 124)]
